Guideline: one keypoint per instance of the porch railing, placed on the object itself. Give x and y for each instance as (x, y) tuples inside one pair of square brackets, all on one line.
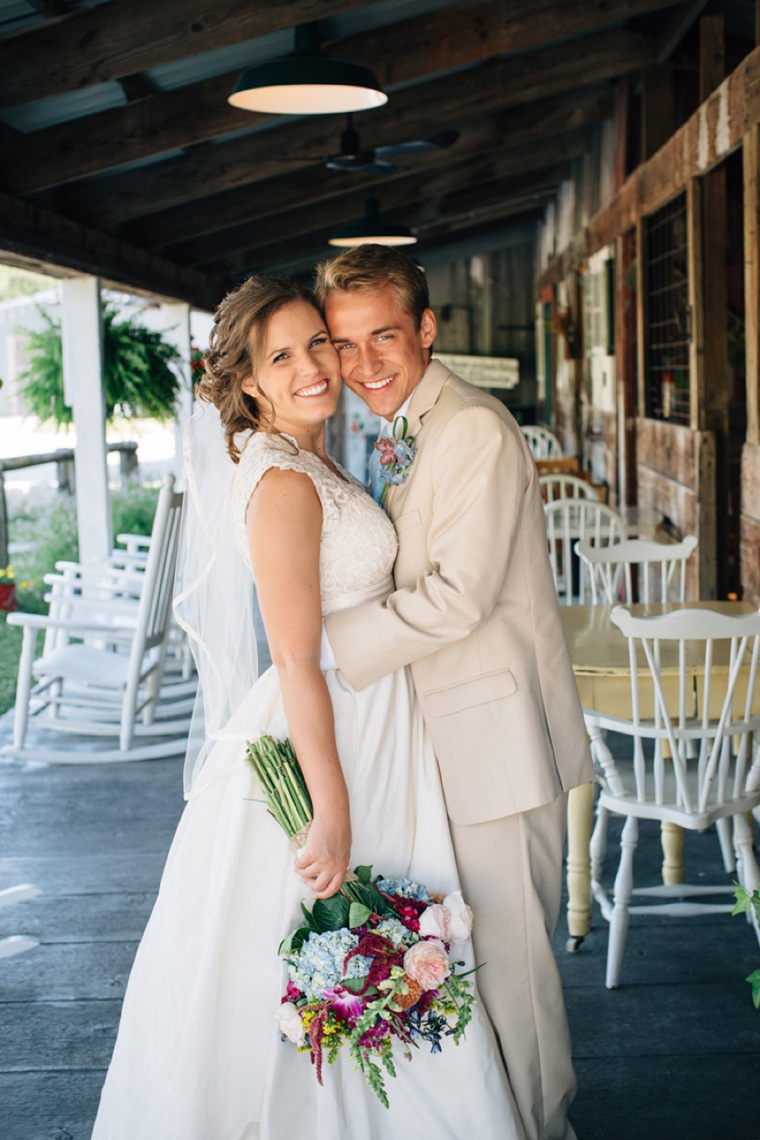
[(63, 458)]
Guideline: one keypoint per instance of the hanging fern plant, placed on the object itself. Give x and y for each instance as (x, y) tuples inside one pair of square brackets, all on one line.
[(140, 381)]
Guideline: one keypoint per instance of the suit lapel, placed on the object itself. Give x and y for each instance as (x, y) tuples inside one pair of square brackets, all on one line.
[(424, 398)]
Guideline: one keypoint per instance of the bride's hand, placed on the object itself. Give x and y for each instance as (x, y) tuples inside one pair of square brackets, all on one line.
[(325, 857)]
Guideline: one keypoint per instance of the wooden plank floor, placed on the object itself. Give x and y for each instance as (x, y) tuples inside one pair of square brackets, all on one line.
[(675, 1052)]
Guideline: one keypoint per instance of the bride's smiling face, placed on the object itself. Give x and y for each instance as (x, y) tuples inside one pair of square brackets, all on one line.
[(298, 373)]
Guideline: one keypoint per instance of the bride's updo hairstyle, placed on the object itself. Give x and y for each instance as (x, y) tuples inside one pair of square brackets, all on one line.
[(236, 344), (369, 268)]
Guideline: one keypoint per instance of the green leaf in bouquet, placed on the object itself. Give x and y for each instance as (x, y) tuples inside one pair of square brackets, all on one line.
[(369, 896), (358, 914), (330, 914), (363, 873), (294, 940), (309, 918), (356, 986)]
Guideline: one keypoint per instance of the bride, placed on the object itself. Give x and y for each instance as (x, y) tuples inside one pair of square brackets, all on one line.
[(199, 1054)]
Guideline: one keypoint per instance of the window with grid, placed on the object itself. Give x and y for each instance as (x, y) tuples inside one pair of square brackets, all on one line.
[(667, 313)]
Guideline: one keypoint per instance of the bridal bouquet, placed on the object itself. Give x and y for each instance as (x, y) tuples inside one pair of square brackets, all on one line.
[(372, 963)]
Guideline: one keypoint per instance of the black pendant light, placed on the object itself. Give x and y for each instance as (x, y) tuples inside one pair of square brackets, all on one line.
[(372, 228), (307, 81)]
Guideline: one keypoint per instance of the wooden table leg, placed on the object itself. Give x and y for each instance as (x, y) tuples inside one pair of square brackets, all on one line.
[(671, 838), (580, 809)]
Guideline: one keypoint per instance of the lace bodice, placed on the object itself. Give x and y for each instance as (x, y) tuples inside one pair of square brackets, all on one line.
[(358, 540)]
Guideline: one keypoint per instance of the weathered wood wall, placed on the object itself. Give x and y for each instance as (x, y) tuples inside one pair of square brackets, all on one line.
[(750, 522), (674, 476), (484, 308)]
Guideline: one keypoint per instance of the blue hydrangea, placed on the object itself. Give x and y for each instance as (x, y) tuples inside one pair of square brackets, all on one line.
[(395, 931), (318, 965), (404, 887)]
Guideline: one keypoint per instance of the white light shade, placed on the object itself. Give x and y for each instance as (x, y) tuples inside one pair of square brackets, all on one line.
[(376, 239), (371, 228), (307, 83)]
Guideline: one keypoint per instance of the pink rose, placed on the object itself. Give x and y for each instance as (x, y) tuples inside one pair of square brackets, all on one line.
[(427, 963), (434, 922), (460, 917)]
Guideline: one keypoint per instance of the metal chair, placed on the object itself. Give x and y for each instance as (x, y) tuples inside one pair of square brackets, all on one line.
[(693, 673), (661, 570), (542, 442), (103, 660), (570, 520)]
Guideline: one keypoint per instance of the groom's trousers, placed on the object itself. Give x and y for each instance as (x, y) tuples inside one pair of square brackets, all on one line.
[(511, 875)]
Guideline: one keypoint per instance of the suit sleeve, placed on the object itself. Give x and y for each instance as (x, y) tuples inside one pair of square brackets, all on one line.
[(479, 477)]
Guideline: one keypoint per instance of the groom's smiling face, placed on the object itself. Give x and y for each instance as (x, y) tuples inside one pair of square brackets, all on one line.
[(382, 353)]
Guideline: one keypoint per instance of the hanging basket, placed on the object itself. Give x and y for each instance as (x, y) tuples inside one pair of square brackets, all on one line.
[(7, 597)]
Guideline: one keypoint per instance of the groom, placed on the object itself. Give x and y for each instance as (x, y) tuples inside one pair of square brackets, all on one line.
[(475, 614)]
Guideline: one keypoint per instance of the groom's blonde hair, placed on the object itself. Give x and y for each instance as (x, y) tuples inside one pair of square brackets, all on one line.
[(369, 268)]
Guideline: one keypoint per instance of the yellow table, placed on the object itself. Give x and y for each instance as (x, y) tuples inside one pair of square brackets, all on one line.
[(599, 655)]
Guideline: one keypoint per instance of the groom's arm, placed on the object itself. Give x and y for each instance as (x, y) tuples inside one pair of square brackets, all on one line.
[(479, 477)]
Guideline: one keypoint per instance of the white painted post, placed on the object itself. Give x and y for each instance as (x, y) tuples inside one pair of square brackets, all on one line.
[(178, 333), (84, 392)]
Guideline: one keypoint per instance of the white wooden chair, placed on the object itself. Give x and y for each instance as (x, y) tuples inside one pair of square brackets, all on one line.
[(661, 570), (542, 442), (103, 660), (570, 520), (693, 762), (565, 487)]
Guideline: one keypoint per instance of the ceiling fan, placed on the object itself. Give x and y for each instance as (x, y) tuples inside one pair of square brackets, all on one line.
[(351, 157)]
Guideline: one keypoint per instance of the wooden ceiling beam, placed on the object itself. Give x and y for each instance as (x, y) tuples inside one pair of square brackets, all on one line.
[(436, 212), (176, 119), (108, 201), (470, 170), (99, 44), (520, 129), (515, 216), (31, 235), (95, 45)]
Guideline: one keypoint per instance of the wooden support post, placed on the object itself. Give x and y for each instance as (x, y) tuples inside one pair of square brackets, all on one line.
[(704, 441), (622, 380), (751, 164), (696, 300), (178, 334), (641, 355), (712, 54), (84, 393), (657, 108)]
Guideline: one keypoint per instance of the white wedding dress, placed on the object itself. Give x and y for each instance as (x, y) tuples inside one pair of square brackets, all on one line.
[(199, 1055)]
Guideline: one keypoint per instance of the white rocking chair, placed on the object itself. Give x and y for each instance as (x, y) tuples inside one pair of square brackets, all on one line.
[(103, 660), (692, 760)]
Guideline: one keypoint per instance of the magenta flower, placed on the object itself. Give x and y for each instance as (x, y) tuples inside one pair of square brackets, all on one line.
[(346, 1004)]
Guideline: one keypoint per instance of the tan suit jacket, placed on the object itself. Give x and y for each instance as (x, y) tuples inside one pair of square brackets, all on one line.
[(475, 611)]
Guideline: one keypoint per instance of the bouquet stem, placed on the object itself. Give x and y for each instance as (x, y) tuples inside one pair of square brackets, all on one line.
[(287, 796)]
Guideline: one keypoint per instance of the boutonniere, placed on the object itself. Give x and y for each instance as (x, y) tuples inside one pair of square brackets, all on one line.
[(397, 451)]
